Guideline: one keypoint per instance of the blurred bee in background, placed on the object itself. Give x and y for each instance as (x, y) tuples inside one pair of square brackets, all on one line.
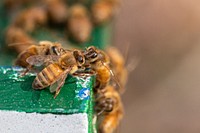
[(79, 24), (57, 10), (25, 21), (109, 109), (29, 19), (18, 39), (103, 10), (13, 4)]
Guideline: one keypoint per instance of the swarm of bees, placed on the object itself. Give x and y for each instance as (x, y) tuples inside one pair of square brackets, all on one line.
[(56, 63), (52, 62), (78, 19)]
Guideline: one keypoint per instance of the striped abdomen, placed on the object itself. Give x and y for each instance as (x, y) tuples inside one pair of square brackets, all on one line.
[(47, 76), (102, 75)]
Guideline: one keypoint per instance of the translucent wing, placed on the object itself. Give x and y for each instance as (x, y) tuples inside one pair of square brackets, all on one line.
[(56, 87), (52, 58), (53, 87), (38, 60), (59, 82)]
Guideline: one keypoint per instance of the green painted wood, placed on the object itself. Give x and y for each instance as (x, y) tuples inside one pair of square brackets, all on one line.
[(16, 93)]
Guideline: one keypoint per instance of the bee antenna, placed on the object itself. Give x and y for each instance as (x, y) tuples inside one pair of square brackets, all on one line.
[(113, 75), (127, 52), (63, 50), (99, 113), (20, 43)]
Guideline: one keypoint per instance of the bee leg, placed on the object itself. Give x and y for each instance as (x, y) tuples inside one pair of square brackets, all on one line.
[(99, 87), (104, 105), (99, 95), (110, 122), (28, 69)]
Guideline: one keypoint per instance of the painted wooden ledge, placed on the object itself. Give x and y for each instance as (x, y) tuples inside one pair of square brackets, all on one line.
[(23, 109)]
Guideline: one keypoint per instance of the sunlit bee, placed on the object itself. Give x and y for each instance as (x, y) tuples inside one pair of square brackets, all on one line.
[(110, 110), (54, 75), (44, 48), (98, 61)]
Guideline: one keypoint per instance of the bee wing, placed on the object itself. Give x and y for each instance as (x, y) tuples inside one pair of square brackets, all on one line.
[(38, 60), (55, 87), (53, 58)]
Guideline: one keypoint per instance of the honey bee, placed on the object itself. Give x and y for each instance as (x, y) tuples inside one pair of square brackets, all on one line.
[(98, 61), (45, 48), (103, 10), (54, 74), (110, 110), (69, 63), (57, 10), (30, 18), (108, 106), (15, 35), (79, 24)]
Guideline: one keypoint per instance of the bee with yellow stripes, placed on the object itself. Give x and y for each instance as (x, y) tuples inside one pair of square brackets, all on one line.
[(54, 74)]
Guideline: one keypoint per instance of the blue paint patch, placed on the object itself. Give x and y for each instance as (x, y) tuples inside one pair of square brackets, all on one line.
[(84, 94)]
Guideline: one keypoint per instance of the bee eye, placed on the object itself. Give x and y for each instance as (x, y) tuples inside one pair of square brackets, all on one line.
[(55, 50), (90, 49), (47, 52), (80, 59), (94, 55)]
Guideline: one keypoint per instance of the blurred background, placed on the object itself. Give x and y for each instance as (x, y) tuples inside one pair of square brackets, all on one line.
[(163, 92)]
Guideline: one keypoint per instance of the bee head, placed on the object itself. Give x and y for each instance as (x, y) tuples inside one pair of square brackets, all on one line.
[(92, 54), (105, 105), (56, 49), (80, 59)]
